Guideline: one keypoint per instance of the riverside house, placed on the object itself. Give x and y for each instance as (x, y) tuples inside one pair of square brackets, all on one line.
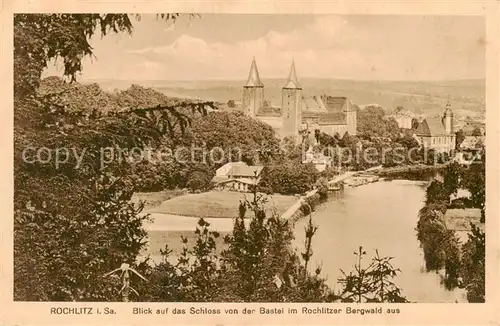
[(237, 176)]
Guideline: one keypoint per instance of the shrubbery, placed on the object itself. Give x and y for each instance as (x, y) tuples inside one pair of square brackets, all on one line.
[(289, 178), (74, 226), (464, 265)]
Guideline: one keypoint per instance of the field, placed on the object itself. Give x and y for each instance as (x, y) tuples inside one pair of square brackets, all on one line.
[(217, 204), (425, 97), (153, 199)]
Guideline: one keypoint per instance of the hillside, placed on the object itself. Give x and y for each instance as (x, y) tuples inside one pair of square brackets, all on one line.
[(429, 98)]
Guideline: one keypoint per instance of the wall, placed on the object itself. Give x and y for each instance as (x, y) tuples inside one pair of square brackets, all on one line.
[(352, 122), (253, 100), (291, 113), (332, 129)]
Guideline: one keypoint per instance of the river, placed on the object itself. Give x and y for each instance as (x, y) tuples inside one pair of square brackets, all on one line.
[(381, 215)]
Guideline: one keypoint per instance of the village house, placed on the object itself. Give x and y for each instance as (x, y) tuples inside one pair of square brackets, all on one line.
[(437, 133), (404, 119), (237, 176)]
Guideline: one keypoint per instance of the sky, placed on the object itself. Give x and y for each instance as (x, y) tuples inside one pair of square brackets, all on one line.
[(359, 47)]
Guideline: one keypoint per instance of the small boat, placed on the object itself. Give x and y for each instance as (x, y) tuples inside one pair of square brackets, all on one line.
[(335, 187)]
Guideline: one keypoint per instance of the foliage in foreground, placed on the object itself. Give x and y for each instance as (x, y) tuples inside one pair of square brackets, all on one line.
[(73, 225), (464, 264), (256, 263)]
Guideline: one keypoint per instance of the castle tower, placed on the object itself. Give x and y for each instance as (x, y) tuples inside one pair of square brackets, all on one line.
[(448, 119), (291, 106), (253, 92), (352, 118)]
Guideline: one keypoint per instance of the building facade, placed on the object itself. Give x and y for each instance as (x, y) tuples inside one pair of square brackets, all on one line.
[(291, 106), (437, 133), (253, 92), (237, 176)]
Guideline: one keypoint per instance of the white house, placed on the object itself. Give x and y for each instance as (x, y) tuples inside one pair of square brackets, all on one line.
[(237, 176)]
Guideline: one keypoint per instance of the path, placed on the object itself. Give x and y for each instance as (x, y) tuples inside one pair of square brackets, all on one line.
[(346, 175)]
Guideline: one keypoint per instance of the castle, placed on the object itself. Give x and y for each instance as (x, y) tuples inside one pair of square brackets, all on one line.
[(298, 115)]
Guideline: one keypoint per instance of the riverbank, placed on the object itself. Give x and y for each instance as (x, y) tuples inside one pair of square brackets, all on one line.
[(416, 171), (387, 224), (217, 204)]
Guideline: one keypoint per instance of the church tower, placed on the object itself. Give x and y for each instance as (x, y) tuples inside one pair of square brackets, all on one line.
[(352, 118), (448, 119), (253, 92), (291, 106)]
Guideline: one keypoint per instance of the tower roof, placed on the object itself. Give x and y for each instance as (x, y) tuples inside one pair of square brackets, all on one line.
[(253, 76), (292, 81), (447, 111)]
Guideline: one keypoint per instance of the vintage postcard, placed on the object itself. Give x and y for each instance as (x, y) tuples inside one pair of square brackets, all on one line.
[(250, 163)]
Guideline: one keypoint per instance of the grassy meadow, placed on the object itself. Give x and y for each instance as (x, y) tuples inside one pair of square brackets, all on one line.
[(215, 204)]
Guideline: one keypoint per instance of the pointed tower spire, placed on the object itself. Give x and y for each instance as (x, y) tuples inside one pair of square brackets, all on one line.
[(292, 81), (253, 76), (448, 111)]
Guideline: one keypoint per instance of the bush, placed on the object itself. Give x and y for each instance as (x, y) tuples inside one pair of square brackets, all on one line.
[(473, 266), (322, 186), (289, 178)]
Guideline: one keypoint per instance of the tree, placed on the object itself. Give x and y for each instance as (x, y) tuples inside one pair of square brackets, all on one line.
[(231, 103), (452, 177), (373, 283), (476, 132), (290, 178), (372, 123), (433, 235), (235, 136), (437, 193), (474, 180), (197, 180), (40, 38), (322, 186), (326, 140), (460, 137), (72, 225)]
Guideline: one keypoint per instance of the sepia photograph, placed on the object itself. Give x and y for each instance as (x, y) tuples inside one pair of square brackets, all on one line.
[(250, 158)]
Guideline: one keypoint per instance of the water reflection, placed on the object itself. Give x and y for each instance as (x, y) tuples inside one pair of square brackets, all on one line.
[(381, 216)]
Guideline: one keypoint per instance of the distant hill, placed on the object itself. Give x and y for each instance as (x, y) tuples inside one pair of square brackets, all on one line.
[(425, 97)]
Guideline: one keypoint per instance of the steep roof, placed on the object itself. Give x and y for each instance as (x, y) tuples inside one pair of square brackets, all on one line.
[(242, 180), (448, 111), (292, 81), (269, 111), (431, 127), (335, 111), (313, 104), (245, 171), (253, 76), (336, 104)]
